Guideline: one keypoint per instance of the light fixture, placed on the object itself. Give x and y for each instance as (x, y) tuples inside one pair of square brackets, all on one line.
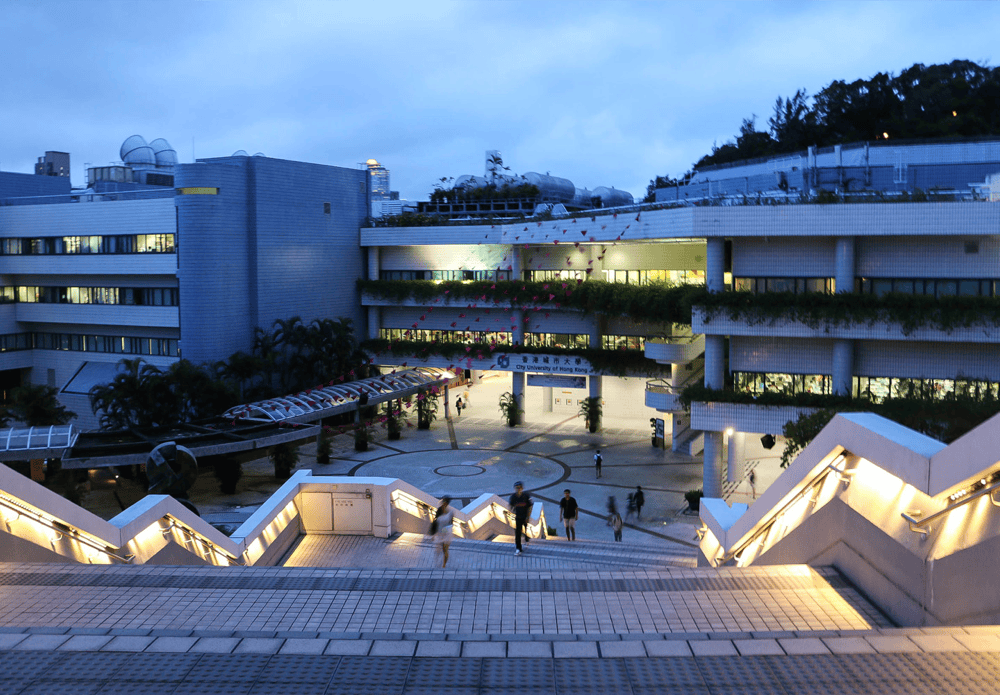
[(767, 441)]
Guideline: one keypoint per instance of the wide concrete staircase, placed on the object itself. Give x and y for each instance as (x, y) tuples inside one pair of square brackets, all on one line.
[(380, 616)]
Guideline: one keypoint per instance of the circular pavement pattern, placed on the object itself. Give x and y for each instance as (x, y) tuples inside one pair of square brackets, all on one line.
[(466, 473)]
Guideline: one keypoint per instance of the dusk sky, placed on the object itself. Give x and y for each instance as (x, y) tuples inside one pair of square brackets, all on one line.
[(604, 94)]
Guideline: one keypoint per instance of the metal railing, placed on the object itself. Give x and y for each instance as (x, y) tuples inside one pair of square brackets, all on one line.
[(918, 525)]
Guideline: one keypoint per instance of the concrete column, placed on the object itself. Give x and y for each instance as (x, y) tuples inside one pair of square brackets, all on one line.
[(676, 374), (843, 274), (547, 399), (517, 327), (373, 263), (734, 469), (517, 388), (477, 376), (714, 361), (596, 263), (715, 264), (595, 386), (516, 262), (595, 333), (447, 405), (843, 367), (712, 472), (374, 321)]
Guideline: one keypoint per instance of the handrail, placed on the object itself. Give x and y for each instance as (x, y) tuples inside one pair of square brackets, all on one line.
[(664, 386), (917, 525), (820, 477)]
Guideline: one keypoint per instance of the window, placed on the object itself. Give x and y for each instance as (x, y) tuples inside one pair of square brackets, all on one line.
[(796, 285), (758, 383), (933, 288)]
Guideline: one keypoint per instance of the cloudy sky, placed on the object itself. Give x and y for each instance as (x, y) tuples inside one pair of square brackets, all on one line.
[(605, 93)]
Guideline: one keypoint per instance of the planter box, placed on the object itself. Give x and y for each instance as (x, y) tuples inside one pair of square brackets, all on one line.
[(743, 417)]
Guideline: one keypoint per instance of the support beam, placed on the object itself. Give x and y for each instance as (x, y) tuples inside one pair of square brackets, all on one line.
[(715, 264), (843, 367), (517, 388), (712, 472)]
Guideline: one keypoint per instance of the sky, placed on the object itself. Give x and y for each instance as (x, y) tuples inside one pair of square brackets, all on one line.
[(602, 93)]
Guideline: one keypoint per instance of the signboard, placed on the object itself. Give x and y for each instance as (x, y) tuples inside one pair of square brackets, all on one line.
[(659, 428), (557, 381), (543, 364)]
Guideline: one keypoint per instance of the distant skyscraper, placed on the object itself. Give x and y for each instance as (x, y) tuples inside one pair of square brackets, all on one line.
[(53, 164), (379, 177)]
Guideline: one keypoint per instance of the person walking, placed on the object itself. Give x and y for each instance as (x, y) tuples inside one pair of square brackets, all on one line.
[(520, 504), (458, 406), (597, 462), (640, 499), (615, 522), (569, 511), (752, 479), (443, 531)]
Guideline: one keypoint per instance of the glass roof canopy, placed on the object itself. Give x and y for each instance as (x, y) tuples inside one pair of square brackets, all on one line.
[(318, 403), (36, 442)]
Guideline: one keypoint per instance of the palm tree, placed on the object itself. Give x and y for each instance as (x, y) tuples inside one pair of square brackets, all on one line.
[(37, 405)]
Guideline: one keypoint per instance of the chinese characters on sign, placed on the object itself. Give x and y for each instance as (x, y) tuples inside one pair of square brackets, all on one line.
[(543, 364)]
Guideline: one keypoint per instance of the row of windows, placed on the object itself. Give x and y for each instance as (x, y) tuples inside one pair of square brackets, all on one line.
[(648, 277), (623, 342), (72, 245), (129, 296), (119, 345), (875, 388), (934, 288), (797, 285), (443, 275), (560, 340)]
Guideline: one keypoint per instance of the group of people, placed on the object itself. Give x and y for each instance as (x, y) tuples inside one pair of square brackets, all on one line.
[(441, 528)]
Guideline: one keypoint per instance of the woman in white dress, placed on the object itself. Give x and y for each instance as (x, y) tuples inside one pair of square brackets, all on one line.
[(443, 520)]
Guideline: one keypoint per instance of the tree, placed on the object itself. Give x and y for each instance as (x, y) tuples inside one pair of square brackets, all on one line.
[(37, 405)]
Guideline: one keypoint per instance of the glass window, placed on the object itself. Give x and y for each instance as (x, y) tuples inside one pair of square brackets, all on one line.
[(880, 288), (947, 288), (903, 286), (968, 288)]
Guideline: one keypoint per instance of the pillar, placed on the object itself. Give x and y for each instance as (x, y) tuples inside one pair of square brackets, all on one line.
[(374, 312), (735, 458), (843, 367), (517, 388), (843, 350), (712, 473), (477, 376), (714, 361), (547, 399), (447, 405), (517, 326), (715, 264), (516, 262)]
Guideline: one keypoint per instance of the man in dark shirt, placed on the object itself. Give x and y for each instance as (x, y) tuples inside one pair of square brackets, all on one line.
[(639, 499), (520, 504), (568, 513)]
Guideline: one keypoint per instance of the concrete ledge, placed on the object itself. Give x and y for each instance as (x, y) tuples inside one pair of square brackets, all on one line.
[(487, 650), (348, 647)]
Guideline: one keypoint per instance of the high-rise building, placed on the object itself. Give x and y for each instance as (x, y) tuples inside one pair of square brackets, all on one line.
[(378, 175), (53, 164)]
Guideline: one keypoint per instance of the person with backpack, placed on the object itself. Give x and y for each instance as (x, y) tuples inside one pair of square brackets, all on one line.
[(597, 462)]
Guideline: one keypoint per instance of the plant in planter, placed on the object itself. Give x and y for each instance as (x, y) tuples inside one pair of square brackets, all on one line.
[(693, 498), (228, 472), (392, 415), (590, 409), (427, 408), (284, 457), (510, 408), (364, 433), (323, 446)]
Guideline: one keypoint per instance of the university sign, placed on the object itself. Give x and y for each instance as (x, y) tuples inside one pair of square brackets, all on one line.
[(542, 364)]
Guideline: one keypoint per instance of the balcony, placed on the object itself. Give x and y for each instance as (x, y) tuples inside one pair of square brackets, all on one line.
[(675, 349)]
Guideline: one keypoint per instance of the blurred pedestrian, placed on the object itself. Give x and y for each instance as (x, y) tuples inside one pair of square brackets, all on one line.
[(444, 533), (640, 499), (458, 406), (615, 522), (629, 506)]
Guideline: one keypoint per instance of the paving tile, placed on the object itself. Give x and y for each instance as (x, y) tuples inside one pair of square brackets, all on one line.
[(622, 649), (438, 648), (392, 648), (357, 647), (484, 649), (668, 648), (304, 646), (758, 647), (848, 645), (131, 643), (84, 643), (258, 645), (579, 650), (941, 642), (713, 648), (215, 645), (534, 650), (8, 640), (803, 645), (892, 644), (41, 642), (979, 642)]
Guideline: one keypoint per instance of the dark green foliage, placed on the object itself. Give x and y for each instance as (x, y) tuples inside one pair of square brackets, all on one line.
[(952, 100), (799, 432), (323, 446), (590, 409), (427, 408), (510, 408), (284, 457), (693, 498), (37, 405), (228, 472)]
